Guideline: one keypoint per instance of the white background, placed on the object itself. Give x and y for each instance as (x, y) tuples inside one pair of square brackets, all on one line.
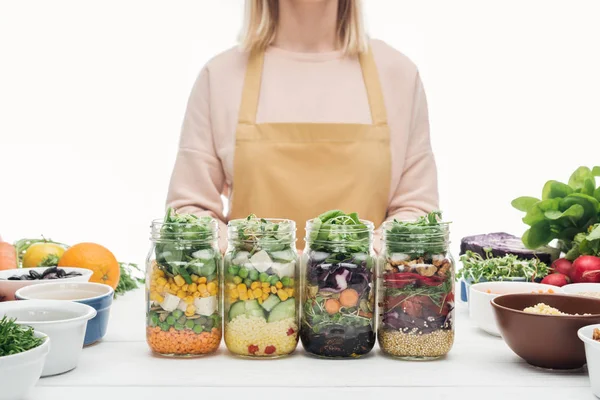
[(92, 95)]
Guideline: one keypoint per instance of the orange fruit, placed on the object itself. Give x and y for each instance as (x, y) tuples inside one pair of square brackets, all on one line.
[(95, 257), (36, 253)]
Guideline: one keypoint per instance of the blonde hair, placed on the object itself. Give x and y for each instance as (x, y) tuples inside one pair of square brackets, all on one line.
[(260, 26)]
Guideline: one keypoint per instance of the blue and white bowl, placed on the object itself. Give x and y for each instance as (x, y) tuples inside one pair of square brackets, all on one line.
[(96, 295)]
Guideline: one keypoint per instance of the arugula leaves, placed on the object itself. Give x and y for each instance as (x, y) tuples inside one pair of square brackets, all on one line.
[(185, 245), (336, 231), (564, 211), (425, 235), (254, 234)]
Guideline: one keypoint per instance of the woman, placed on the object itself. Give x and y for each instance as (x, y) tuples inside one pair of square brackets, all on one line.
[(306, 116)]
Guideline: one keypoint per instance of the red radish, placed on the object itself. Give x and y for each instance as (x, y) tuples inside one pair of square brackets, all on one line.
[(556, 279), (586, 269), (563, 266)]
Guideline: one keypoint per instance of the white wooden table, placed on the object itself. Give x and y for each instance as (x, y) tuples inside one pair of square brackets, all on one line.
[(478, 367)]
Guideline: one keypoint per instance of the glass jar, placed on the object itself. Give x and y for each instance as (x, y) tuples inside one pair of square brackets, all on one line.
[(261, 288), (416, 284), (182, 287), (339, 290)]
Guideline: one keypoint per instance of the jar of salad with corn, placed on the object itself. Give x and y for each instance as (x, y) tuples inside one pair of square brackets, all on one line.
[(416, 289), (261, 288), (183, 317)]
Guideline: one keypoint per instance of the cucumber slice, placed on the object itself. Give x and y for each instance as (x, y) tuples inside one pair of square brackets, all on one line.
[(270, 302), (236, 310), (285, 309), (252, 305)]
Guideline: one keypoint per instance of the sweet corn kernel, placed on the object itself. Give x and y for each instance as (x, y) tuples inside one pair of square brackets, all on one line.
[(278, 285), (202, 288), (205, 294), (189, 300), (230, 286), (185, 288), (273, 289), (233, 293), (190, 309), (290, 291), (213, 292), (242, 288), (196, 295), (211, 286), (250, 294), (255, 285), (181, 294), (161, 281), (257, 293), (172, 291), (243, 296), (202, 279), (195, 278), (266, 285), (160, 273), (260, 300), (283, 296), (159, 298), (265, 295), (179, 280), (192, 288), (160, 288)]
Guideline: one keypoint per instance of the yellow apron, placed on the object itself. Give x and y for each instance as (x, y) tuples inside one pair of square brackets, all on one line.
[(300, 170)]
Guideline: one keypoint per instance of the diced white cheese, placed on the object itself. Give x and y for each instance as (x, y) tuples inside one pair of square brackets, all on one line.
[(206, 305), (284, 269), (182, 306), (240, 258), (170, 302), (261, 261), (205, 254)]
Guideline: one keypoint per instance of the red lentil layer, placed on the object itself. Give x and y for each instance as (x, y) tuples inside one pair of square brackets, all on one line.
[(182, 342)]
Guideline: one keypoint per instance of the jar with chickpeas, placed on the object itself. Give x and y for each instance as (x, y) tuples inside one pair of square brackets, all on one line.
[(416, 289), (261, 288), (183, 316)]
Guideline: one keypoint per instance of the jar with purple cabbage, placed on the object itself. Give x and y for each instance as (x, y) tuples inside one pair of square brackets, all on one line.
[(416, 284), (339, 289)]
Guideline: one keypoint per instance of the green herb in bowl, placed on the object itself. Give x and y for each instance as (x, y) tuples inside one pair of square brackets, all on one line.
[(478, 269), (15, 338)]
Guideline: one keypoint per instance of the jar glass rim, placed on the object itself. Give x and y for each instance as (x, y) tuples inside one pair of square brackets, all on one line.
[(211, 234)]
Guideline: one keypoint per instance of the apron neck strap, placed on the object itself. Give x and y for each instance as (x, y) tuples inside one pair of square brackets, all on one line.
[(252, 82)]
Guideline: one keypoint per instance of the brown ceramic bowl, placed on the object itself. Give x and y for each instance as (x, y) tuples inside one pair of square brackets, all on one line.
[(547, 341)]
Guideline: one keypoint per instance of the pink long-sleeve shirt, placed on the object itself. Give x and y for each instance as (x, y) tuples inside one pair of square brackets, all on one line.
[(302, 87)]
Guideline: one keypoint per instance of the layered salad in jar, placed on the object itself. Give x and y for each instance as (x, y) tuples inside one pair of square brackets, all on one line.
[(337, 314), (417, 289), (183, 315), (261, 305)]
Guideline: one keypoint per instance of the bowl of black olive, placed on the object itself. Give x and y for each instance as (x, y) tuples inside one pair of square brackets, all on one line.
[(12, 280)]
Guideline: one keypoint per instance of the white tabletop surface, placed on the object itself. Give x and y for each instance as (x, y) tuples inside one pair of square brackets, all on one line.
[(479, 366)]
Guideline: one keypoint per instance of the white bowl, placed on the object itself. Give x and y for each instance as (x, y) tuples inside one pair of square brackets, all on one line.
[(20, 372), (592, 354), (8, 288), (480, 307), (63, 321), (576, 288)]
